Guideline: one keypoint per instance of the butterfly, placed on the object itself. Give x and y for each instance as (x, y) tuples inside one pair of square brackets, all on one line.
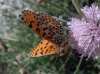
[(48, 28)]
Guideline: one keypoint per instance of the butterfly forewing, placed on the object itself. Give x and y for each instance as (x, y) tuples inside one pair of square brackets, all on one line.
[(44, 25)]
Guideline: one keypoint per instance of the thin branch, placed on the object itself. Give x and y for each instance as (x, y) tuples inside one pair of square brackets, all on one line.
[(75, 72), (64, 63), (65, 10)]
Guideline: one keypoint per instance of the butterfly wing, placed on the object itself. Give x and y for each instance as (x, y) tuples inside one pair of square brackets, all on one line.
[(47, 48), (44, 48), (44, 25)]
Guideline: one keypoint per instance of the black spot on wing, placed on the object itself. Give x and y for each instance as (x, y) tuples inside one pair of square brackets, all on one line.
[(51, 47), (43, 34), (31, 23), (41, 52), (46, 51), (47, 43), (38, 30)]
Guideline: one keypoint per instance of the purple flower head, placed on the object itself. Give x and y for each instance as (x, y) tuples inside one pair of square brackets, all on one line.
[(87, 33)]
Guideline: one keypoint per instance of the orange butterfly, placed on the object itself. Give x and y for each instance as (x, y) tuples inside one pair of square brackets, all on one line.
[(48, 28)]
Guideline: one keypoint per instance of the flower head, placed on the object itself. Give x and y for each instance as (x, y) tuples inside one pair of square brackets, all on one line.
[(87, 33)]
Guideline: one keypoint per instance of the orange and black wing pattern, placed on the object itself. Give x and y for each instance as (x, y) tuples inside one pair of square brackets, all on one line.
[(48, 28), (47, 48), (44, 48), (44, 25)]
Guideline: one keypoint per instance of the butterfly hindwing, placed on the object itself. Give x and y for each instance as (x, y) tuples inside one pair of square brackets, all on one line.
[(44, 48)]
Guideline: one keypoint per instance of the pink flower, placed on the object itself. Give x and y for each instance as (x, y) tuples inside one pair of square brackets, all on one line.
[(87, 33)]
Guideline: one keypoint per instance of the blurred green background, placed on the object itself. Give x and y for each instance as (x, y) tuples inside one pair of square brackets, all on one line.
[(17, 40)]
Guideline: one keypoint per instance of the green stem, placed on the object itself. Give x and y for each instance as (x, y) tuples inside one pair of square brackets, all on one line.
[(78, 8), (65, 10), (64, 63), (78, 66)]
